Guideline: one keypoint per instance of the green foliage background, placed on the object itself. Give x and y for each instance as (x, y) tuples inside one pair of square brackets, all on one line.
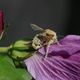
[(8, 71)]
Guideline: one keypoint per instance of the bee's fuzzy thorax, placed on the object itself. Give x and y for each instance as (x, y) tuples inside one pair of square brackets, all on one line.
[(51, 32)]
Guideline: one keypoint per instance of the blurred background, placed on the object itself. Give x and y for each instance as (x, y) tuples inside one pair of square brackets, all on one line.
[(61, 16)]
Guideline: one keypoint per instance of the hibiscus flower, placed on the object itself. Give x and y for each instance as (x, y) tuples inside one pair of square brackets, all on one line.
[(62, 63)]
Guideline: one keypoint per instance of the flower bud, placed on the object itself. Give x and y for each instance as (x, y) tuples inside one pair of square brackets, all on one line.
[(21, 45), (19, 55)]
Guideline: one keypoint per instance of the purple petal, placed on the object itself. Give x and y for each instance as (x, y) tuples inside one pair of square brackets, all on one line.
[(68, 45), (62, 63), (52, 68), (75, 57)]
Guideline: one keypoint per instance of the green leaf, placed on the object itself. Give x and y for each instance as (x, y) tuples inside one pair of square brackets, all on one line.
[(9, 72)]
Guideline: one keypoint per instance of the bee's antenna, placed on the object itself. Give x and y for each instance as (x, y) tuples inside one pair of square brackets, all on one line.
[(60, 36)]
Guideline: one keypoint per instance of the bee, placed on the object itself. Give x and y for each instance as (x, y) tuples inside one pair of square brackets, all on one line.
[(46, 37)]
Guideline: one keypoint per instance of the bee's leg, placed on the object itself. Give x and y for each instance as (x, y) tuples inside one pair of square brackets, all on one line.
[(59, 44), (47, 49), (56, 41), (35, 52)]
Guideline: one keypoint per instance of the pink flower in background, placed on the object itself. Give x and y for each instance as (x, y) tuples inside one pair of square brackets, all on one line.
[(1, 24), (62, 63)]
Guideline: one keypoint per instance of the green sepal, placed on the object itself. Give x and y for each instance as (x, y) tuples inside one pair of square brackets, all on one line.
[(20, 55)]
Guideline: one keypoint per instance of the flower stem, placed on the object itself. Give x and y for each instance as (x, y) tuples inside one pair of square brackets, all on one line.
[(4, 49)]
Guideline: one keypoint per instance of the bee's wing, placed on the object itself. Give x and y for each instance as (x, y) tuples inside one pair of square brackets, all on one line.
[(35, 27)]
